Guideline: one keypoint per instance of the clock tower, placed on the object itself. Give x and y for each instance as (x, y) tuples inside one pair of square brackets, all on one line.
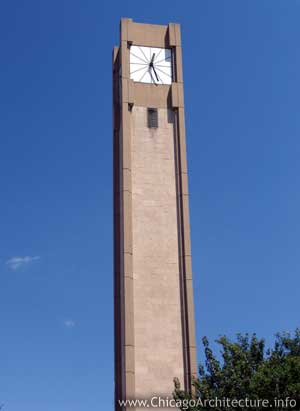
[(153, 290)]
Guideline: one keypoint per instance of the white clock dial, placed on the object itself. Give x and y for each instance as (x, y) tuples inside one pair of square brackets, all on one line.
[(151, 65)]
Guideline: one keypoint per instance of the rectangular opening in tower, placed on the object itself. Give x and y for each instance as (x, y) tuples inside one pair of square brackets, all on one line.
[(152, 118)]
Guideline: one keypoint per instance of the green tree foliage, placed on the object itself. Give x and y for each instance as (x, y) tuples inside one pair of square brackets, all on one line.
[(248, 370)]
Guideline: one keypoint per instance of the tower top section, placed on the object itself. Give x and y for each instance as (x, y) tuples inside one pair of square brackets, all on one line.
[(150, 55), (151, 35)]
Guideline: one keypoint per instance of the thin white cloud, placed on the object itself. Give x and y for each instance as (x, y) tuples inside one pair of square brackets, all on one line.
[(69, 323), (15, 263)]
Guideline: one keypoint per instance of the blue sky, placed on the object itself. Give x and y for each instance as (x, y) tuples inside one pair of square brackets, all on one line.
[(242, 94)]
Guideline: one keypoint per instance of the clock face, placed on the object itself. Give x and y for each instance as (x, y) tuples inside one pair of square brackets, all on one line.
[(151, 65)]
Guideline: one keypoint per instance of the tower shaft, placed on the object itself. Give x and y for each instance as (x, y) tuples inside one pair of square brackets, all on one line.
[(153, 291)]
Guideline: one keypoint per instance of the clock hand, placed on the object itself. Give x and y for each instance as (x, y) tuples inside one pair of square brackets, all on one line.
[(157, 78), (150, 72), (152, 67)]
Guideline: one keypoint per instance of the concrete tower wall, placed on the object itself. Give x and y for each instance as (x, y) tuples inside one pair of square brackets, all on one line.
[(157, 313)]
